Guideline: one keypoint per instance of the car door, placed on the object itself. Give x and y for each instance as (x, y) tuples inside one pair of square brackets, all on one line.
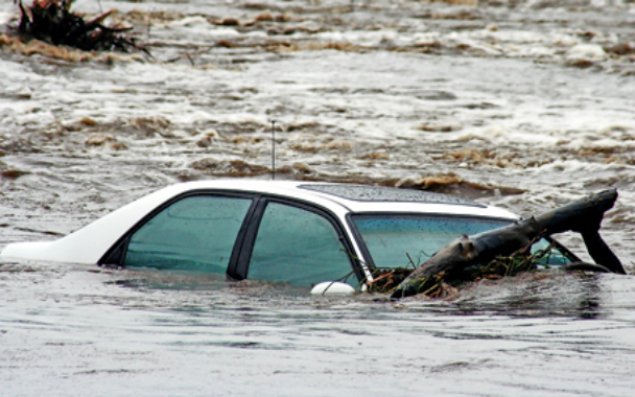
[(298, 244), (199, 231)]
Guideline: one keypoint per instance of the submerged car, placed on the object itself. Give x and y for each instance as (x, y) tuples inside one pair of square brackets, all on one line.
[(301, 233)]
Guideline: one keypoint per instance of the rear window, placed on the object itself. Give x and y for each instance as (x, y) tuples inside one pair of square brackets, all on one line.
[(404, 240)]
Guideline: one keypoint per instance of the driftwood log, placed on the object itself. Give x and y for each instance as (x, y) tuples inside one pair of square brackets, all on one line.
[(583, 216)]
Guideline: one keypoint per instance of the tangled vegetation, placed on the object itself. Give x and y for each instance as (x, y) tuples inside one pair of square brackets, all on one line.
[(52, 21), (386, 280)]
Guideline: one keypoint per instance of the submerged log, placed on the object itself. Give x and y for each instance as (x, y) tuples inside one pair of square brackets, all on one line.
[(450, 263)]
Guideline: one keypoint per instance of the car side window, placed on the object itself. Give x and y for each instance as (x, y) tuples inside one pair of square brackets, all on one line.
[(196, 233), (298, 246)]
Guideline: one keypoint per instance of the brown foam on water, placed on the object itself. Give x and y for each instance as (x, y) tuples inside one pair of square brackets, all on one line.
[(36, 47)]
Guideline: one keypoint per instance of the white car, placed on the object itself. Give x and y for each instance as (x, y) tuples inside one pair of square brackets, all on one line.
[(300, 233)]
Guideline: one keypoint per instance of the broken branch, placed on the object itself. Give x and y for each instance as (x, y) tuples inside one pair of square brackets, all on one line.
[(450, 263)]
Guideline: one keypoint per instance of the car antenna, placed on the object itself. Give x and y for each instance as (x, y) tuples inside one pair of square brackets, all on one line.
[(273, 149)]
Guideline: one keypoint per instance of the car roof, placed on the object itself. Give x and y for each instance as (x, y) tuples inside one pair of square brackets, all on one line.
[(353, 198)]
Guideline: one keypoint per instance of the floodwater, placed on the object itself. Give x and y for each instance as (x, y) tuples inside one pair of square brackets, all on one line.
[(523, 104)]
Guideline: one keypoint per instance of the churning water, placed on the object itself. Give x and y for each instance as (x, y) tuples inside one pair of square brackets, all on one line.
[(523, 104)]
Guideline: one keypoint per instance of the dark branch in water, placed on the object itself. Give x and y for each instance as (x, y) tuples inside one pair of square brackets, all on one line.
[(472, 256), (52, 21)]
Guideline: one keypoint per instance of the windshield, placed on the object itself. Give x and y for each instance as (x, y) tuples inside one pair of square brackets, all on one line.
[(407, 240)]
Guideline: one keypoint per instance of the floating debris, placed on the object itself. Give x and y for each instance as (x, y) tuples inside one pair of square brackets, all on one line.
[(53, 22), (506, 251), (10, 173)]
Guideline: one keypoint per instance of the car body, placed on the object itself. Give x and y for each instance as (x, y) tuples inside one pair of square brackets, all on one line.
[(301, 233)]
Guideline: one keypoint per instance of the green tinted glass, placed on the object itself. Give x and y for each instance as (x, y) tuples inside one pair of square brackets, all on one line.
[(196, 233), (299, 247), (552, 256), (396, 240)]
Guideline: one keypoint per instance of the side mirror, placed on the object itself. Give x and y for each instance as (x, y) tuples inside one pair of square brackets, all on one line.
[(332, 288)]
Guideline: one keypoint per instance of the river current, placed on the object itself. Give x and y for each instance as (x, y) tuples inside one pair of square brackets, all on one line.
[(522, 104)]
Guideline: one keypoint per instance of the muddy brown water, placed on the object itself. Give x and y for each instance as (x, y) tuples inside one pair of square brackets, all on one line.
[(523, 104)]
